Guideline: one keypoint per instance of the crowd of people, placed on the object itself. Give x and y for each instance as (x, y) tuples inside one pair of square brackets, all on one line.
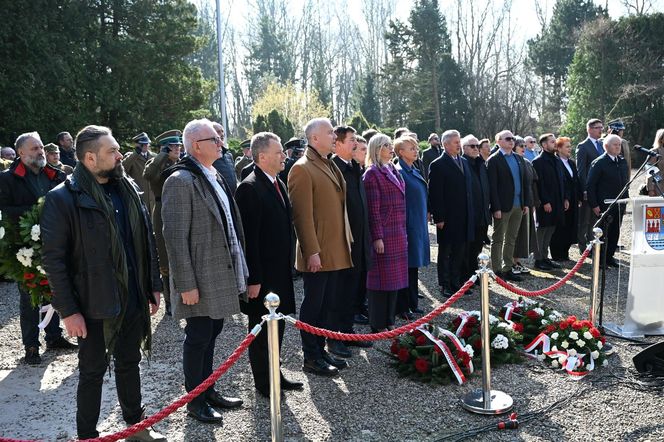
[(350, 213)]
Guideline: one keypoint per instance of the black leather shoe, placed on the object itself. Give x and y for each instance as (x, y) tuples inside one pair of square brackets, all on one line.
[(361, 344), (417, 310), (542, 265), (553, 265), (217, 400), (335, 362), (291, 385), (360, 319), (265, 392), (204, 413), (510, 276), (32, 356), (61, 344), (612, 262), (320, 367), (338, 348)]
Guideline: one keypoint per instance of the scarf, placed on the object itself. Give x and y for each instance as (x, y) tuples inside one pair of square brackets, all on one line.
[(87, 182)]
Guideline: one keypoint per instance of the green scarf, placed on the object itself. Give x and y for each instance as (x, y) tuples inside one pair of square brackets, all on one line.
[(87, 182)]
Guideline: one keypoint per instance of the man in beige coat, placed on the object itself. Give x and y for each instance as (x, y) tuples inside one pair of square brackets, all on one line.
[(208, 273), (317, 192)]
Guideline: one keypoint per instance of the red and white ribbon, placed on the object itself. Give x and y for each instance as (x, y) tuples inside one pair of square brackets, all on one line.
[(509, 309), (541, 340), (459, 346), (448, 355), (50, 311), (464, 319), (572, 364)]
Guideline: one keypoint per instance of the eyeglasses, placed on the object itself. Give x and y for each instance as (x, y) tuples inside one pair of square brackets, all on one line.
[(597, 127), (474, 146), (215, 140), (508, 138), (388, 146)]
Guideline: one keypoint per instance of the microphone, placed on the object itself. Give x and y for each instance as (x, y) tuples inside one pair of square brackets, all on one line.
[(654, 173), (645, 151)]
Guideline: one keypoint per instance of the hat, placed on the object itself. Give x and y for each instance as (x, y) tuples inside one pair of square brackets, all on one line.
[(51, 148), (246, 144), (173, 136), (294, 143), (616, 125), (141, 138)]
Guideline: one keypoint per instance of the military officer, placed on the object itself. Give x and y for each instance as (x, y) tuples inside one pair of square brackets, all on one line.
[(134, 163), (53, 158), (244, 160)]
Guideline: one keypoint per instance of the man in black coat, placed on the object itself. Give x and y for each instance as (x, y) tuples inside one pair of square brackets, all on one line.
[(352, 281), (451, 204), (266, 217), (508, 196), (480, 184), (554, 199), (67, 151), (224, 165), (586, 153), (28, 179), (606, 178), (566, 233), (100, 257), (431, 153)]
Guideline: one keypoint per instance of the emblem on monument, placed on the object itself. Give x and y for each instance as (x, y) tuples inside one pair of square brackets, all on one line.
[(654, 227)]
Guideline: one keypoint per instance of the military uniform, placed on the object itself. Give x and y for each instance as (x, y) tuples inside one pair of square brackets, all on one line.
[(296, 146), (244, 160), (52, 148), (134, 164), (153, 175)]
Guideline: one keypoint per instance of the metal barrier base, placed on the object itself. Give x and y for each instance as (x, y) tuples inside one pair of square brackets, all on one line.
[(499, 402)]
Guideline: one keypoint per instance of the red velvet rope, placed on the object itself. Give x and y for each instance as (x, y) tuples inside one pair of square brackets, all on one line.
[(386, 334), (183, 400), (545, 291)]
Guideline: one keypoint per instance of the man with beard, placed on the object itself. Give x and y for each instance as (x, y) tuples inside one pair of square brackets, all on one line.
[(171, 145), (208, 272), (53, 158), (28, 179), (101, 262), (67, 151)]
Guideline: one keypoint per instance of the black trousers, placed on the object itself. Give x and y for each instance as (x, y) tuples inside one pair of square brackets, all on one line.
[(320, 289), (474, 248), (29, 319), (382, 308), (407, 298), (259, 357), (451, 260), (200, 334), (342, 307), (92, 367), (360, 303)]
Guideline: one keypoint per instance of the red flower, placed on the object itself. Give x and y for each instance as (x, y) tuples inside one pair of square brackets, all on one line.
[(549, 329), (31, 285), (472, 320), (564, 325), (586, 323), (603, 339), (457, 322), (517, 310), (517, 327), (596, 333), (417, 333), (404, 354), (394, 348), (465, 332), (532, 314), (43, 282), (28, 276), (437, 350), (421, 340), (571, 319), (422, 365), (577, 325), (464, 357), (477, 344)]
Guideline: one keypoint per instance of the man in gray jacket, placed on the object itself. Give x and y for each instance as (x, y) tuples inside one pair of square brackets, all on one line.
[(205, 241)]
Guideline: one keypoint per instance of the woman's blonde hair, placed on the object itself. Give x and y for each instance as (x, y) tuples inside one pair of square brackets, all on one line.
[(659, 139), (402, 142), (376, 143)]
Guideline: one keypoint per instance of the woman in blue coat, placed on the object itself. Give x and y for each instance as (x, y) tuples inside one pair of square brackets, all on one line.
[(416, 223)]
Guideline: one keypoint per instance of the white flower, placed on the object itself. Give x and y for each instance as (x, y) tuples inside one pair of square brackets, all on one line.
[(541, 357), (574, 335), (555, 335), (580, 342), (594, 354), (504, 325), (41, 270), (554, 363), (35, 232), (24, 256), (562, 359), (564, 344), (2, 232), (587, 336), (554, 348), (492, 319), (544, 322), (605, 363), (599, 344), (0, 215), (539, 311), (554, 315), (500, 342), (571, 352), (469, 349)]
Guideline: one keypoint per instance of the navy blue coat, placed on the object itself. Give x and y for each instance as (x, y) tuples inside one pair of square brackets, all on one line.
[(416, 216), (451, 200)]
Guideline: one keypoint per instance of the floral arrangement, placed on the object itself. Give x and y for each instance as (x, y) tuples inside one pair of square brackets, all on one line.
[(529, 318), (20, 254), (573, 345), (502, 334), (431, 354)]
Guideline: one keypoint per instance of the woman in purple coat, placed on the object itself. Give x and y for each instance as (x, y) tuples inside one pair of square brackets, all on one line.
[(386, 201)]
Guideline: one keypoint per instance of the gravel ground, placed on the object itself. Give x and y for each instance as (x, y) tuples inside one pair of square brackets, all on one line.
[(366, 403)]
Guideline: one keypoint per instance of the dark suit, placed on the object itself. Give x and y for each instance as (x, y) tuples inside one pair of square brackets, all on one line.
[(351, 291), (428, 157), (566, 232), (586, 153), (551, 190), (502, 196), (481, 211), (606, 178), (268, 227), (226, 169), (451, 202), (246, 170)]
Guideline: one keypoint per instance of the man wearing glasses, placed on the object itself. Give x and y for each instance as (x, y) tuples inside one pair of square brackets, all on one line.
[(508, 195), (586, 152), (531, 148), (430, 154)]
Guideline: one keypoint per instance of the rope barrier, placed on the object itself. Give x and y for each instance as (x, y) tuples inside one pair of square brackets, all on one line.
[(386, 334), (545, 291), (183, 400)]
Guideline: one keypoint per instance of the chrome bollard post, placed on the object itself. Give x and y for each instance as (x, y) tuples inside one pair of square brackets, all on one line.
[(594, 289), (486, 400), (272, 303)]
